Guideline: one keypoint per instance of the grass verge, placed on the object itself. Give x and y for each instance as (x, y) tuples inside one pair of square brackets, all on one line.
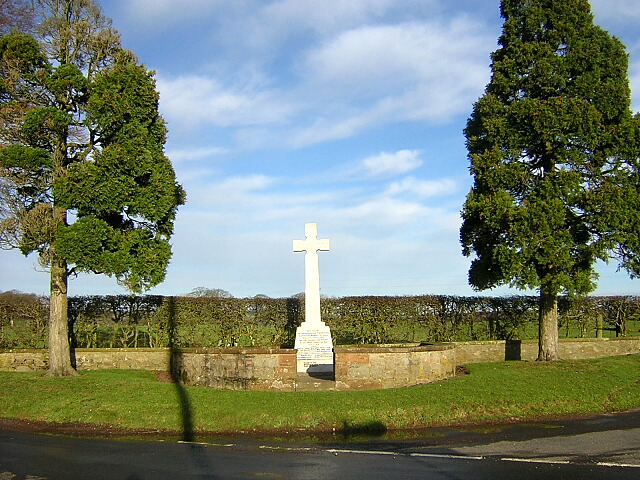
[(493, 392)]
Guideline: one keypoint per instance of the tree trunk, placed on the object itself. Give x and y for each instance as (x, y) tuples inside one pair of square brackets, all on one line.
[(59, 348), (599, 325), (548, 327)]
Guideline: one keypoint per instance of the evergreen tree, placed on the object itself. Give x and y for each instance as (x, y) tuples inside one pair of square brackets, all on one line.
[(84, 181), (552, 150)]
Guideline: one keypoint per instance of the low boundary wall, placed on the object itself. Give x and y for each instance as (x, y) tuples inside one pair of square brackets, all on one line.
[(527, 350), (357, 367), (374, 367), (228, 368), (236, 368), (26, 360)]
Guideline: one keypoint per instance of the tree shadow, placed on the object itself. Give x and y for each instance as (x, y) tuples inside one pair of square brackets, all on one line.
[(294, 306), (513, 350), (176, 360)]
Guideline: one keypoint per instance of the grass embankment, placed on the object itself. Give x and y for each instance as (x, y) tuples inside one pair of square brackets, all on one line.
[(492, 392)]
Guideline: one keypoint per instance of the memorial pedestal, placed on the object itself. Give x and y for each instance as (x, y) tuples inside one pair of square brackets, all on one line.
[(315, 349)]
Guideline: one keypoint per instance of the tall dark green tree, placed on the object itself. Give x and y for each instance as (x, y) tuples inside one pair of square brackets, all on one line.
[(84, 181), (553, 156)]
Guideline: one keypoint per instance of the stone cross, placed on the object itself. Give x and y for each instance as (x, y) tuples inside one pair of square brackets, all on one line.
[(313, 337), (311, 270)]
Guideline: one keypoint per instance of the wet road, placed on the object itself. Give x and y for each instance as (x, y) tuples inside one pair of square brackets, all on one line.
[(604, 447)]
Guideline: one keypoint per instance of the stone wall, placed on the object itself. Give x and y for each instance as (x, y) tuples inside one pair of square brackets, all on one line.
[(23, 360), (154, 359), (357, 367), (237, 368), (229, 368), (363, 368), (568, 349)]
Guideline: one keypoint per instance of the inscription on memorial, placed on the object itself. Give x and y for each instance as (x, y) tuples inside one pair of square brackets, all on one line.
[(315, 350)]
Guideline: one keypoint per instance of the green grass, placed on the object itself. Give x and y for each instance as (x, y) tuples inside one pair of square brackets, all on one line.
[(493, 392)]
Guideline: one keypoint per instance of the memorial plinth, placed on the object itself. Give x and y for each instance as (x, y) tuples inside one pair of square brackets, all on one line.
[(315, 349), (313, 336)]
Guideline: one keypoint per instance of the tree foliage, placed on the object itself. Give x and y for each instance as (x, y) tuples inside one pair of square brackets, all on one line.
[(16, 14), (84, 181), (85, 136), (209, 293), (553, 156)]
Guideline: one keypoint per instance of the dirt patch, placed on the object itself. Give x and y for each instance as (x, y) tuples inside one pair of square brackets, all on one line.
[(164, 377), (77, 429)]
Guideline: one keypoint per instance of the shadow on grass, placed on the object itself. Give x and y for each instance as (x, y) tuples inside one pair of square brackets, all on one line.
[(175, 367), (373, 428)]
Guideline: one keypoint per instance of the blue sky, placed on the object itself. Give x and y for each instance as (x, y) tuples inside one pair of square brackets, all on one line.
[(344, 113)]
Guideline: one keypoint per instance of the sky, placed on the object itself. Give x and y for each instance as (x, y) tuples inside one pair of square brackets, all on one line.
[(345, 113)]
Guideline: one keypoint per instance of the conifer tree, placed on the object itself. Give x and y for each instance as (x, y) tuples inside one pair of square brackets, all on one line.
[(553, 155), (84, 181)]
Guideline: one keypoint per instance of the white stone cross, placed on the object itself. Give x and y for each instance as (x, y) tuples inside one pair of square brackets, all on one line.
[(311, 270)]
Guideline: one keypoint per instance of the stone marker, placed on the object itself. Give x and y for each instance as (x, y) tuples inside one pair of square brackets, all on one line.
[(313, 336)]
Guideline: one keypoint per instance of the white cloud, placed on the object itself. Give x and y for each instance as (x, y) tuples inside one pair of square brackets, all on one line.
[(286, 17), (231, 189), (383, 212), (381, 74), (423, 188), (183, 155), (255, 200), (395, 163), (337, 85), (278, 24), (170, 12), (188, 175), (194, 99), (375, 60), (331, 128), (617, 10)]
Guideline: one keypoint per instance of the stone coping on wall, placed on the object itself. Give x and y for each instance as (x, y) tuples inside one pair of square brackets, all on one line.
[(394, 348), (236, 350), (534, 341), (163, 349)]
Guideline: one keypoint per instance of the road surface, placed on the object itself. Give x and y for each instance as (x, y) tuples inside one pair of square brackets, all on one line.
[(603, 447)]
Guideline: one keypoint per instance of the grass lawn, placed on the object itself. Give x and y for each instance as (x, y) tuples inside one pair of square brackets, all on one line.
[(491, 392)]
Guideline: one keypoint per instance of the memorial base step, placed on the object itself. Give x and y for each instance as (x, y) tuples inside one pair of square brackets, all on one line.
[(317, 382)]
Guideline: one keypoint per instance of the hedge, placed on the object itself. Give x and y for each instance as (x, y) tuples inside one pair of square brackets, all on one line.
[(156, 321)]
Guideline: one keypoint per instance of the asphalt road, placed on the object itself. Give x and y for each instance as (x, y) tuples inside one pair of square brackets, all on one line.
[(603, 447)]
